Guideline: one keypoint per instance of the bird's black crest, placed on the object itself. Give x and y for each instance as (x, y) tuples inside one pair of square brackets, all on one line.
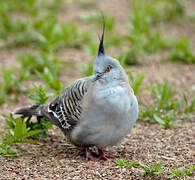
[(101, 45)]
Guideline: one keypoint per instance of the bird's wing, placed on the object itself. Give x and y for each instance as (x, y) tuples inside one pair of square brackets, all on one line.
[(67, 106)]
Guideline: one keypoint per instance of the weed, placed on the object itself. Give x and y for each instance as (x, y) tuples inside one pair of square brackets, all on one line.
[(18, 134), (158, 11), (2, 94), (6, 150), (126, 163), (164, 101), (191, 16), (181, 51), (87, 4), (152, 170), (155, 169), (130, 56), (87, 69), (51, 80), (181, 172), (73, 36), (12, 82), (189, 107), (147, 114), (91, 48), (39, 96), (142, 37), (37, 62), (164, 96), (51, 36), (41, 124), (166, 120), (136, 82), (41, 31)]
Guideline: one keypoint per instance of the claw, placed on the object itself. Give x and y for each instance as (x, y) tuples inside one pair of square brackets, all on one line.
[(104, 157), (89, 155)]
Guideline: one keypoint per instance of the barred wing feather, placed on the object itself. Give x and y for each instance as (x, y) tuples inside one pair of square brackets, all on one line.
[(67, 106)]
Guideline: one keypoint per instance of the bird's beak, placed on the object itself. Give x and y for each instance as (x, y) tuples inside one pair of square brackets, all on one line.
[(98, 76)]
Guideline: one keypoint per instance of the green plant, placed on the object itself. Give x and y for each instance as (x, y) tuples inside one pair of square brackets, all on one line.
[(37, 62), (20, 30), (158, 11), (164, 96), (136, 82), (181, 51), (42, 30), (130, 56), (164, 101), (155, 169), (126, 163), (152, 170), (18, 134), (16, 30), (191, 16), (87, 69), (51, 80), (91, 48), (147, 113), (39, 96), (181, 172), (12, 80), (189, 107), (5, 149), (51, 36), (2, 94), (143, 38), (166, 120), (87, 4), (40, 124)]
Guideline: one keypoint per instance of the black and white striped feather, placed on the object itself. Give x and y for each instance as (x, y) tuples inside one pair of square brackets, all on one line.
[(67, 106)]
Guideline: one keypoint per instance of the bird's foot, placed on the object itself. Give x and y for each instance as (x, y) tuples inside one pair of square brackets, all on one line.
[(90, 155), (104, 157)]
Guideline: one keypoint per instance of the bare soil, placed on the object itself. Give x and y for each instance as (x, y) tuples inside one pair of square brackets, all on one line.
[(55, 158)]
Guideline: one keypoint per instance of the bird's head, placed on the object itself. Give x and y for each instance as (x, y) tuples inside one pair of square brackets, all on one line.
[(106, 67)]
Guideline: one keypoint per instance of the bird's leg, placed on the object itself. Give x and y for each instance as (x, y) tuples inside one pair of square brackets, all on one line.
[(102, 156), (89, 155)]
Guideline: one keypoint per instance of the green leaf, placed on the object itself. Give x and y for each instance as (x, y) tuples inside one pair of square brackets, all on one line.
[(159, 120)]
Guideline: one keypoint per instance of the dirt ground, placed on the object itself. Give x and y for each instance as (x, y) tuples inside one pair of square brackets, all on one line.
[(55, 158)]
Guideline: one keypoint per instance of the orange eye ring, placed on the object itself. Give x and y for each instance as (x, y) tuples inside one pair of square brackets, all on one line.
[(108, 68)]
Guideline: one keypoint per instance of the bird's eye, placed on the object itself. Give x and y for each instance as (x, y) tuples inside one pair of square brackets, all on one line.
[(108, 68)]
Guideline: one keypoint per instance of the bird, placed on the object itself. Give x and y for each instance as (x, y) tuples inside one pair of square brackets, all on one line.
[(94, 111)]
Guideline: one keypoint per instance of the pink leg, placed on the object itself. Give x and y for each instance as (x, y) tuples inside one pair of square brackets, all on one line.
[(104, 157), (89, 155)]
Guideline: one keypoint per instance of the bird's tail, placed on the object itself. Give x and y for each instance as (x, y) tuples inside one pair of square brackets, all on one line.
[(36, 110), (39, 111)]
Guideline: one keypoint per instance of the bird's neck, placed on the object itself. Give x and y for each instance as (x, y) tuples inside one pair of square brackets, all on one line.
[(111, 84)]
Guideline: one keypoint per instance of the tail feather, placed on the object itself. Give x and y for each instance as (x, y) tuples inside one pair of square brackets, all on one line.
[(30, 111), (39, 111)]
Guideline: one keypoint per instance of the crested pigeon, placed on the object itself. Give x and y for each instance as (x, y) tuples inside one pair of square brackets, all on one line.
[(98, 110)]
